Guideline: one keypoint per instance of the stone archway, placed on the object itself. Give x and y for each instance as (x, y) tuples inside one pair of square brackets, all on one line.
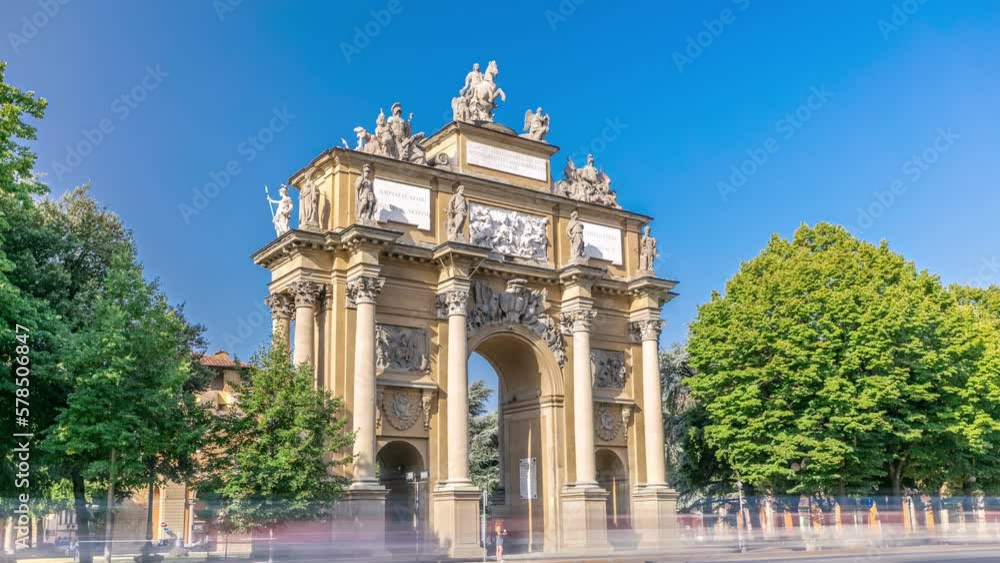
[(530, 412), (399, 466)]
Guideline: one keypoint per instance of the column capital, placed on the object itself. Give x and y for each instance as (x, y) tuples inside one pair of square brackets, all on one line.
[(281, 305), (307, 293), (452, 302), (642, 331), (364, 290), (578, 320)]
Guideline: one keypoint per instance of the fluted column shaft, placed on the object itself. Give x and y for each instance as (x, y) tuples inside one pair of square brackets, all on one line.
[(583, 397), (458, 388), (652, 405), (307, 295), (362, 293)]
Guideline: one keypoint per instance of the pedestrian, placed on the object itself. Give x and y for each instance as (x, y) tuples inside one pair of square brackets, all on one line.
[(501, 532)]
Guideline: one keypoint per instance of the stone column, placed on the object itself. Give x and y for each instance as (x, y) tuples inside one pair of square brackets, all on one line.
[(655, 516), (362, 292), (282, 307), (307, 295), (583, 397), (458, 388), (652, 405)]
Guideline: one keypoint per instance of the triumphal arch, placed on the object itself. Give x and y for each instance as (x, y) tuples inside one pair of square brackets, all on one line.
[(414, 251)]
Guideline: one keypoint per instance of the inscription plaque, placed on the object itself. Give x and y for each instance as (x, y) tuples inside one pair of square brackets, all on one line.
[(403, 203), (506, 160), (604, 243)]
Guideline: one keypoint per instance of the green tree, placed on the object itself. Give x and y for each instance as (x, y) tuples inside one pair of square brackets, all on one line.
[(694, 469), (128, 418), (830, 364), (276, 454), (484, 443)]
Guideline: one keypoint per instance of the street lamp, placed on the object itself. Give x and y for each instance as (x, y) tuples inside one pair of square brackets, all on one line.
[(740, 517)]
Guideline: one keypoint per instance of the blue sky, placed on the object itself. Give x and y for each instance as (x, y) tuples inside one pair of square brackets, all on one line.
[(838, 109)]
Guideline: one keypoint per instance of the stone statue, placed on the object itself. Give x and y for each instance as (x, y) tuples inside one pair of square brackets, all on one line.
[(366, 196), (574, 229), (407, 144), (283, 213), (587, 184), (536, 125), (647, 251), (458, 212), (460, 109), (472, 79), (364, 137), (309, 205), (393, 137), (476, 100)]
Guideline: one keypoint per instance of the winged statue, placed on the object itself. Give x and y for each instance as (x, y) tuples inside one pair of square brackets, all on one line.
[(536, 125)]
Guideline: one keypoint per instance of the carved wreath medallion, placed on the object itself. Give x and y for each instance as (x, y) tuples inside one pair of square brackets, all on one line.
[(607, 421), (402, 407)]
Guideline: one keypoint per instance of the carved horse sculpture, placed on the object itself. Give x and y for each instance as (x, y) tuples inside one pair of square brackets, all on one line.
[(484, 94)]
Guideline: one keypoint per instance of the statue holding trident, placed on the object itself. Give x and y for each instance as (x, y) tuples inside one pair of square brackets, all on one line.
[(283, 213)]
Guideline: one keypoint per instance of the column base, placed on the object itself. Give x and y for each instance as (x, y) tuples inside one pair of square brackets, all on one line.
[(361, 515), (457, 519), (584, 517), (655, 517)]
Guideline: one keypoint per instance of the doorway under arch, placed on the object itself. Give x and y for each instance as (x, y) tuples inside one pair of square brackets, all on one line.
[(400, 465), (612, 476)]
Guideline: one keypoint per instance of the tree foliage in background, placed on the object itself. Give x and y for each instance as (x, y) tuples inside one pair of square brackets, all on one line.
[(484, 442), (831, 364), (693, 467), (276, 453)]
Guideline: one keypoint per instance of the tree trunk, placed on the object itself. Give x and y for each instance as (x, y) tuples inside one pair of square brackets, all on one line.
[(270, 545), (109, 521), (83, 536), (147, 547), (896, 476)]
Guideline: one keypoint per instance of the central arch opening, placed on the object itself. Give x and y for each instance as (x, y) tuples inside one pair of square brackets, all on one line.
[(524, 407)]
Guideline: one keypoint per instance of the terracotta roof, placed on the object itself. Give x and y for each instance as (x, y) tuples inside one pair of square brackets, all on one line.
[(220, 359)]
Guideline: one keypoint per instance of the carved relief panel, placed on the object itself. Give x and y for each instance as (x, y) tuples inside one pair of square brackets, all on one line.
[(400, 348), (509, 232), (608, 367)]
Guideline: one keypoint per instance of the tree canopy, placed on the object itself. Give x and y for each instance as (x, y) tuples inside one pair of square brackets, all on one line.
[(831, 364), (275, 454)]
